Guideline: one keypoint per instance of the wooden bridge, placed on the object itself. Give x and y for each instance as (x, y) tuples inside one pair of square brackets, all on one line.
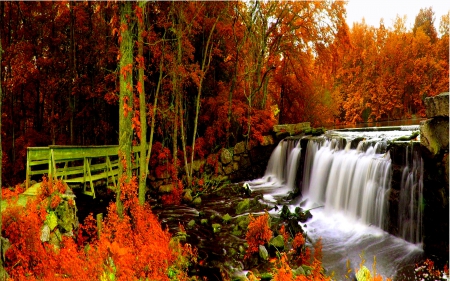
[(79, 166)]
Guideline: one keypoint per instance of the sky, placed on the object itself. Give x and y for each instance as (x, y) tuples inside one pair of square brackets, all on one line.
[(374, 10)]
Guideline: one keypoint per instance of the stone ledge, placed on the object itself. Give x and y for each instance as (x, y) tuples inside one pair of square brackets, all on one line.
[(437, 106)]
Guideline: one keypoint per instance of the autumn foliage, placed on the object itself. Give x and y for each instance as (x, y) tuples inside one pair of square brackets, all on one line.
[(264, 63), (258, 233), (130, 248)]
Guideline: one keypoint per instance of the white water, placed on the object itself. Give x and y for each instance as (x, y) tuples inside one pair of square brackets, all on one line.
[(351, 181), (353, 187), (411, 197), (281, 171)]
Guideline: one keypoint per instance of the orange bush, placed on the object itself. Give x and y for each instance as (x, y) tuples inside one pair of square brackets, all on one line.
[(258, 233), (130, 248)]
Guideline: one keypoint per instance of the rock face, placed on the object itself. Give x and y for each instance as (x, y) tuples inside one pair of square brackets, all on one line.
[(437, 106), (434, 134), (434, 142)]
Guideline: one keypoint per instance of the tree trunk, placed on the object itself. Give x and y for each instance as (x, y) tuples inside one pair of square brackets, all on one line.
[(205, 66), (142, 110), (125, 102)]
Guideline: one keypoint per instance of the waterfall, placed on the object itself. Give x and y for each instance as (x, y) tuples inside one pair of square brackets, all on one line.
[(281, 172), (353, 181), (411, 198)]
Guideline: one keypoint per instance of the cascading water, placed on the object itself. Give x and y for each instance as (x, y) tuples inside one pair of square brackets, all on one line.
[(352, 183), (281, 170), (411, 198)]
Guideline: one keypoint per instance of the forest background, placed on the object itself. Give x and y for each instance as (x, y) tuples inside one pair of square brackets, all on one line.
[(204, 75)]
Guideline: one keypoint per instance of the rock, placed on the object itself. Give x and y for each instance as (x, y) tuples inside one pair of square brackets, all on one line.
[(228, 169), (243, 222), (292, 128), (437, 106), (67, 217), (226, 218), (243, 206), (263, 253), (197, 201), (239, 148), (277, 242), (235, 166), (45, 233), (225, 156), (299, 271), (51, 220), (187, 196), (166, 188), (434, 135), (285, 213), (216, 227), (191, 224)]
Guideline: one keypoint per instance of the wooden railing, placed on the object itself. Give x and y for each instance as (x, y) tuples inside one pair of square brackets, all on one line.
[(77, 165)]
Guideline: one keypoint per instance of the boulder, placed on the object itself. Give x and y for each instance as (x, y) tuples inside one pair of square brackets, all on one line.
[(437, 106), (239, 148), (434, 135), (225, 156)]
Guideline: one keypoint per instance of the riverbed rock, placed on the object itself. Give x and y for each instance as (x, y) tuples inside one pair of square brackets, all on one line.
[(277, 242), (243, 206), (263, 253), (437, 106), (216, 227)]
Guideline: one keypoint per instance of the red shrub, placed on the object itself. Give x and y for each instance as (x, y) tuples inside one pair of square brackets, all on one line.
[(258, 233)]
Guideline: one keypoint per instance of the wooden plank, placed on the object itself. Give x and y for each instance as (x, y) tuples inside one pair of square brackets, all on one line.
[(95, 177), (38, 162)]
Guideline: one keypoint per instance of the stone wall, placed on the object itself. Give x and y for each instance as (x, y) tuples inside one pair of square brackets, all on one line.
[(434, 140), (237, 163)]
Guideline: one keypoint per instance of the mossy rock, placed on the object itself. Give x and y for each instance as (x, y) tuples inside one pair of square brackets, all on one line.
[(266, 276), (243, 206), (216, 227), (243, 222), (277, 242), (263, 253), (51, 220), (236, 231), (299, 271), (197, 201), (191, 224), (226, 218)]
